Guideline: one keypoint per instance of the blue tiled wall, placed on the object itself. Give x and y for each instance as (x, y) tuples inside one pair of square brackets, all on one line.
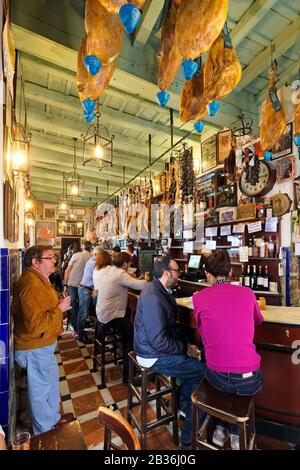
[(4, 336)]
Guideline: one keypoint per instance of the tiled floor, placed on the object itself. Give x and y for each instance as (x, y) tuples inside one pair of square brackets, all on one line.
[(81, 394)]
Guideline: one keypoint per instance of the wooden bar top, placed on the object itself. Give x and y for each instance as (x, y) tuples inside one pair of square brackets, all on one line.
[(67, 436), (272, 314)]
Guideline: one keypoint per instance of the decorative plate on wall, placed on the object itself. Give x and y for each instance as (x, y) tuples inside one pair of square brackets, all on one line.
[(281, 204)]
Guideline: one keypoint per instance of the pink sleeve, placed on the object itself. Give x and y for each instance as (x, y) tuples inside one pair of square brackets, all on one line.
[(258, 318), (196, 311)]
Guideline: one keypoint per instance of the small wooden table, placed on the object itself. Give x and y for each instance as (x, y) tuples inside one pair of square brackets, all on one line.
[(67, 436)]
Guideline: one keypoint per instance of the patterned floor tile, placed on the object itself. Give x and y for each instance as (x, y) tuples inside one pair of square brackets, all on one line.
[(75, 367), (119, 392), (73, 354), (81, 383), (87, 403)]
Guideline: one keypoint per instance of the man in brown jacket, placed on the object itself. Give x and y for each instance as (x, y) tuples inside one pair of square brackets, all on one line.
[(38, 314)]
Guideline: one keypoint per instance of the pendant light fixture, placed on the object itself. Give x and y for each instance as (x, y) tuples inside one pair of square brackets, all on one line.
[(74, 182), (97, 147)]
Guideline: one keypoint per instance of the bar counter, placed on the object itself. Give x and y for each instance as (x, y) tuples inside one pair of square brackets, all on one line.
[(277, 406)]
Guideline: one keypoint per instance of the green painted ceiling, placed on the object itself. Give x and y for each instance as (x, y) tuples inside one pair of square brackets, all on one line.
[(48, 33)]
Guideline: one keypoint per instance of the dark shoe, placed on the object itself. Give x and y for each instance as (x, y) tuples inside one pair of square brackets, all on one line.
[(84, 339), (186, 446), (66, 418)]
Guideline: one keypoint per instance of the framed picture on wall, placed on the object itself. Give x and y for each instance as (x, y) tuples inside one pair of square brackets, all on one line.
[(209, 154), (285, 144), (45, 233), (66, 228), (223, 145), (49, 213)]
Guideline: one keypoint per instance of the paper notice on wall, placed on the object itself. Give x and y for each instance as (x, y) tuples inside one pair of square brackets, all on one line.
[(254, 227), (188, 234), (238, 228), (297, 249), (188, 247), (243, 252), (225, 230), (211, 244), (211, 231), (271, 224)]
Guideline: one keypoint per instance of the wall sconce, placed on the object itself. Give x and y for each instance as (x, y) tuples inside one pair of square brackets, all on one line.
[(197, 167), (20, 149), (29, 219), (63, 206)]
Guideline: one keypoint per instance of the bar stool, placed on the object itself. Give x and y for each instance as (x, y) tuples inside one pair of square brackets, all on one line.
[(107, 340), (232, 409), (163, 387)]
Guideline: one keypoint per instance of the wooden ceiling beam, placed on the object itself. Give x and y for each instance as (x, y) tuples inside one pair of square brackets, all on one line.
[(289, 74), (283, 41), (254, 14), (109, 116), (151, 11)]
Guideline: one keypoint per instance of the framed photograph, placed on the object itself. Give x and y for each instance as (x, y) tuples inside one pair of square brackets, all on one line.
[(285, 169), (285, 145), (227, 215), (223, 145), (209, 154), (45, 233), (66, 228), (49, 213), (297, 195)]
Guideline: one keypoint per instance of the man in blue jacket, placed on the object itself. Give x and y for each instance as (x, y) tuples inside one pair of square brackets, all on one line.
[(156, 343)]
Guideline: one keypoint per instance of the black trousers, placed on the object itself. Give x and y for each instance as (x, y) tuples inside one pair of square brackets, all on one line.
[(125, 328)]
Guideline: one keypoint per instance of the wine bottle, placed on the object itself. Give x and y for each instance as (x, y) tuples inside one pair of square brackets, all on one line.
[(254, 278), (254, 248), (266, 279), (247, 281), (250, 247), (271, 247), (262, 248), (242, 276), (260, 280)]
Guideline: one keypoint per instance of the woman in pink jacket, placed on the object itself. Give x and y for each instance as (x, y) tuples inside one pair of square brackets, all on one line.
[(226, 316)]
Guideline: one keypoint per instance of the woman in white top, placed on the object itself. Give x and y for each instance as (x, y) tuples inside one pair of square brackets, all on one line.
[(112, 282)]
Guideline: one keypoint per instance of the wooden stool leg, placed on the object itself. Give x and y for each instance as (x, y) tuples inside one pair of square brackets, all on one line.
[(144, 410), (157, 401), (194, 426), (95, 354), (243, 436), (174, 404), (107, 439), (251, 429), (130, 395), (115, 343), (102, 341)]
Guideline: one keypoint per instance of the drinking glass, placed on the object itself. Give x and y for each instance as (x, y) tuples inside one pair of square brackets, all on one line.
[(21, 441)]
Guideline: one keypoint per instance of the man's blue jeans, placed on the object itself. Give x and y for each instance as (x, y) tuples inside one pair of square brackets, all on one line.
[(73, 291), (84, 296), (43, 386), (191, 373)]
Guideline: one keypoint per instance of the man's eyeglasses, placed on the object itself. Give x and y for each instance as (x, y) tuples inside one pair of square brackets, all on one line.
[(47, 257), (177, 270)]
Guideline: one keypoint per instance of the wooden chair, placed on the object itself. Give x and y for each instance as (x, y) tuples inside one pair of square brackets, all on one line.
[(113, 422)]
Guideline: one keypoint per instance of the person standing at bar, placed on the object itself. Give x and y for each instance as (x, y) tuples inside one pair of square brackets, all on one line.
[(38, 315), (112, 283), (156, 342), (72, 279), (134, 261), (226, 316), (85, 295)]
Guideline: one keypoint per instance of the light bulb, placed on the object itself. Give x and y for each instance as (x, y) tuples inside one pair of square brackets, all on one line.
[(63, 206), (72, 216), (197, 166), (98, 151), (19, 159), (29, 221), (28, 205), (74, 189)]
